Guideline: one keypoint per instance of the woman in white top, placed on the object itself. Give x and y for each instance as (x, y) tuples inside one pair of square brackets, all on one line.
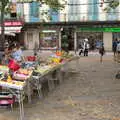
[(85, 47)]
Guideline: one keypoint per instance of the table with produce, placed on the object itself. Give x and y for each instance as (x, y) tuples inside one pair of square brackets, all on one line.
[(14, 83), (54, 64), (15, 80)]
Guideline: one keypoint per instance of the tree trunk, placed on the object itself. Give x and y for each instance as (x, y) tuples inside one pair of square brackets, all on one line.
[(2, 40)]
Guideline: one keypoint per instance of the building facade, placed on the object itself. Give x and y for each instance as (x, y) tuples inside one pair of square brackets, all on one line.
[(93, 11), (88, 14)]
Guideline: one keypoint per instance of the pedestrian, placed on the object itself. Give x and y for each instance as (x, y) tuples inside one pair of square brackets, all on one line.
[(115, 46), (118, 51), (101, 52), (85, 47), (80, 49)]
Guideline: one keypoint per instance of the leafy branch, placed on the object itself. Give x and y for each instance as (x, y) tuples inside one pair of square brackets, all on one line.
[(111, 4)]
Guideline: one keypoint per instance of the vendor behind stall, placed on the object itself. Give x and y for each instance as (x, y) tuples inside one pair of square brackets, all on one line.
[(17, 53)]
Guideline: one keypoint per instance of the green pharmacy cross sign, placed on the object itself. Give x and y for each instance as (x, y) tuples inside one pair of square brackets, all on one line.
[(104, 29)]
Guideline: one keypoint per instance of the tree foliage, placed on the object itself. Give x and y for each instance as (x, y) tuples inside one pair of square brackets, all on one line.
[(111, 4), (4, 2), (54, 4)]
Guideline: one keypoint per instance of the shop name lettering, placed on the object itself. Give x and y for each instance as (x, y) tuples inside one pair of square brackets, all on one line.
[(12, 23)]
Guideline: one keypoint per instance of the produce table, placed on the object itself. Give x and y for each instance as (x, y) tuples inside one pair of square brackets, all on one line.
[(18, 87), (46, 71)]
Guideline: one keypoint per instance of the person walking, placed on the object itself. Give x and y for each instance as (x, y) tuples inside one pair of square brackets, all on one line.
[(80, 49), (118, 51), (115, 46), (101, 52), (86, 47)]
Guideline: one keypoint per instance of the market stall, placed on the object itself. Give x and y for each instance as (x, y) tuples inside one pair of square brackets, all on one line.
[(31, 73), (15, 84)]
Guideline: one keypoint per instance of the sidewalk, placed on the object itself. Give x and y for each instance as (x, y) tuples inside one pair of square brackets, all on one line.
[(47, 52), (90, 92)]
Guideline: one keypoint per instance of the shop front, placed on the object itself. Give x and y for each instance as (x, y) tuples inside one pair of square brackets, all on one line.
[(43, 39), (49, 39), (12, 31), (98, 35)]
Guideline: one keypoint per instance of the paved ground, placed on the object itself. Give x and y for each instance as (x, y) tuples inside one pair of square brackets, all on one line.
[(90, 93)]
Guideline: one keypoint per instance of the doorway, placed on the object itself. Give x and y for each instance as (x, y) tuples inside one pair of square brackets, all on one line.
[(67, 37)]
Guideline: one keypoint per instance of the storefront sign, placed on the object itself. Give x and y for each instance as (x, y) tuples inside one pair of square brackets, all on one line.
[(104, 29), (12, 29), (13, 23), (49, 31), (47, 38)]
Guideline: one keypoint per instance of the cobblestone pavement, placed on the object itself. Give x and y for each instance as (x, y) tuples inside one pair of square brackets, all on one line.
[(90, 92)]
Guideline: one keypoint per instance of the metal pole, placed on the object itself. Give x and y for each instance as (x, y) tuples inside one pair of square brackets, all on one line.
[(75, 42), (60, 40)]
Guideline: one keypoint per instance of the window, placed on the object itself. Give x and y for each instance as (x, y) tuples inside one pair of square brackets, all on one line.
[(48, 39)]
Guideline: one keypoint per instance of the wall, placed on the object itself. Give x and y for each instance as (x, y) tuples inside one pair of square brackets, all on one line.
[(107, 39)]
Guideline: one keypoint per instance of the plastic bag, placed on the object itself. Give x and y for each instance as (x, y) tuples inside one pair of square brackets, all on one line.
[(13, 65)]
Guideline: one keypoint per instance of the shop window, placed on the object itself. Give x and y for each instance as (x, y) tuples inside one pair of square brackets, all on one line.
[(48, 39), (95, 39)]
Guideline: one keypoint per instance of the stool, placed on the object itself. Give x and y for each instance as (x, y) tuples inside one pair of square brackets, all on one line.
[(7, 99)]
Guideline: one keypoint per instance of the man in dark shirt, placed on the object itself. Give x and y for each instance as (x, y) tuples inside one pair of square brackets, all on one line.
[(115, 46)]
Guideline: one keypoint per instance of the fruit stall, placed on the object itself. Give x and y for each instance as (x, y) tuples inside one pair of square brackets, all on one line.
[(18, 81)]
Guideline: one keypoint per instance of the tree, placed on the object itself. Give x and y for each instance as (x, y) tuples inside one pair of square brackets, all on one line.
[(111, 4), (54, 4), (4, 7), (3, 4)]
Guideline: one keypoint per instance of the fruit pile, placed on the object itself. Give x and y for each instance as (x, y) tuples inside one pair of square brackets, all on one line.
[(22, 74)]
